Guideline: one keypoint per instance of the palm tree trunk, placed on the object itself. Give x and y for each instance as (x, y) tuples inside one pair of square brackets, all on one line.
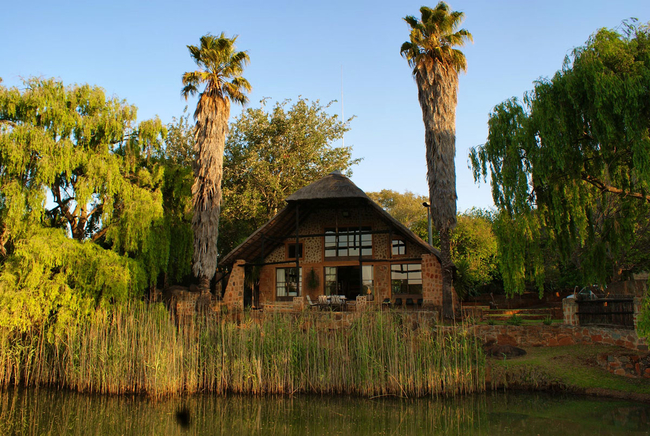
[(210, 136), (447, 274)]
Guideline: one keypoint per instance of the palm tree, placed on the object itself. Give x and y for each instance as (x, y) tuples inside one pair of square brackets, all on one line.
[(220, 69), (436, 65)]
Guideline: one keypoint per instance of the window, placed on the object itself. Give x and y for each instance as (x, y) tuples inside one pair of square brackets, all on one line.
[(291, 250), (406, 278), (347, 242), (368, 287), (331, 287), (286, 282), (399, 247)]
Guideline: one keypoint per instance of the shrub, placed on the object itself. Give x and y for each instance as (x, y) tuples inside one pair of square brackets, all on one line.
[(515, 320)]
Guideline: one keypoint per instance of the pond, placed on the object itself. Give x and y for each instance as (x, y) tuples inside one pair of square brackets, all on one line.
[(48, 412)]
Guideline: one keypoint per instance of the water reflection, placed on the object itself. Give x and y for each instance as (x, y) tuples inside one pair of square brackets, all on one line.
[(37, 412)]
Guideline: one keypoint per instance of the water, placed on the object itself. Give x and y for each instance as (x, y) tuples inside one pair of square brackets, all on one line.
[(47, 412)]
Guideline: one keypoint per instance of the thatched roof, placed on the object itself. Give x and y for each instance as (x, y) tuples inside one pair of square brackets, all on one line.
[(334, 185), (333, 190)]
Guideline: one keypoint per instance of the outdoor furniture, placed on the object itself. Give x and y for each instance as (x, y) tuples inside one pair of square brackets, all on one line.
[(337, 301), (311, 304), (323, 301), (409, 302), (420, 302), (398, 302)]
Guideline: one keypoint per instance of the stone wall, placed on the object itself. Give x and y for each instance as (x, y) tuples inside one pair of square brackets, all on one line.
[(629, 365), (556, 335), (431, 280), (233, 298)]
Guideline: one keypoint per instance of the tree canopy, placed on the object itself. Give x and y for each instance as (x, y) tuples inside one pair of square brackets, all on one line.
[(272, 153), (78, 177), (570, 166)]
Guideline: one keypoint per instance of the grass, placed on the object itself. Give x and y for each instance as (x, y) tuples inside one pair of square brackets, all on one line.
[(138, 348), (572, 367)]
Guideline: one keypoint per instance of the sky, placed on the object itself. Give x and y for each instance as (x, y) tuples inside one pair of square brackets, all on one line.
[(335, 50)]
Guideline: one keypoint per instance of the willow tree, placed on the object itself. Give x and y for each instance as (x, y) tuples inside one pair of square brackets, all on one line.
[(220, 69), (93, 240), (570, 166), (436, 64)]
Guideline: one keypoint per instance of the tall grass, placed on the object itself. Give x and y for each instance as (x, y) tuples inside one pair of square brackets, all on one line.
[(138, 348)]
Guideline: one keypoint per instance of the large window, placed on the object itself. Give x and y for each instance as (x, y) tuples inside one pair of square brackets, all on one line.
[(335, 278), (406, 278), (348, 242), (286, 281), (331, 285)]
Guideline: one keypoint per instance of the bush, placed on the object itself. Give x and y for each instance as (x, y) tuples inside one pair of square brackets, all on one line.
[(548, 320), (515, 320)]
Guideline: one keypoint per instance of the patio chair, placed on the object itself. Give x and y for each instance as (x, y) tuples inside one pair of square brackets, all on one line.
[(337, 303), (420, 302), (398, 302), (409, 302), (322, 301), (311, 304), (386, 303)]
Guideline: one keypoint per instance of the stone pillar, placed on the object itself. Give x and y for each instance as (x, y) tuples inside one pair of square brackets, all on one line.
[(382, 282), (233, 298), (298, 304), (362, 302), (570, 311), (431, 281)]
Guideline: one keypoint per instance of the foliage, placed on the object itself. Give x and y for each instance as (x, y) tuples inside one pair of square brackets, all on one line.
[(54, 280), (407, 208), (100, 172), (570, 167), (178, 157), (515, 320), (548, 320), (220, 69), (271, 154), (474, 252)]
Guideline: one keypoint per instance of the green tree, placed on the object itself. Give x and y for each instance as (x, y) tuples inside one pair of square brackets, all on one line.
[(271, 154), (570, 167), (101, 171), (436, 64), (407, 208), (178, 157), (220, 69)]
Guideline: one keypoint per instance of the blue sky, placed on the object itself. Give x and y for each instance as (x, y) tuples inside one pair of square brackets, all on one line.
[(137, 51)]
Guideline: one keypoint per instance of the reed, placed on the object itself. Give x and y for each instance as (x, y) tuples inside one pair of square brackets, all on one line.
[(139, 348)]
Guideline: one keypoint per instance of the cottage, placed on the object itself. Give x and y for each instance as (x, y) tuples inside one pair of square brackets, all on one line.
[(332, 239)]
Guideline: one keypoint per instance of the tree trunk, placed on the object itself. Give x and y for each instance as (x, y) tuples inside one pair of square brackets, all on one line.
[(447, 273), (204, 285)]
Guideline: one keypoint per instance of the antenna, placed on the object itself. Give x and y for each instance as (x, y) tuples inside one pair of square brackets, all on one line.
[(342, 114)]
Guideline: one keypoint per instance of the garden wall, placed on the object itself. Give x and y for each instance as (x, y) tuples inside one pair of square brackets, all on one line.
[(556, 335)]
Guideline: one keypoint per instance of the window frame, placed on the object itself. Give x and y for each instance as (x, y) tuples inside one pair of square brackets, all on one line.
[(287, 295), (412, 284), (347, 242)]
